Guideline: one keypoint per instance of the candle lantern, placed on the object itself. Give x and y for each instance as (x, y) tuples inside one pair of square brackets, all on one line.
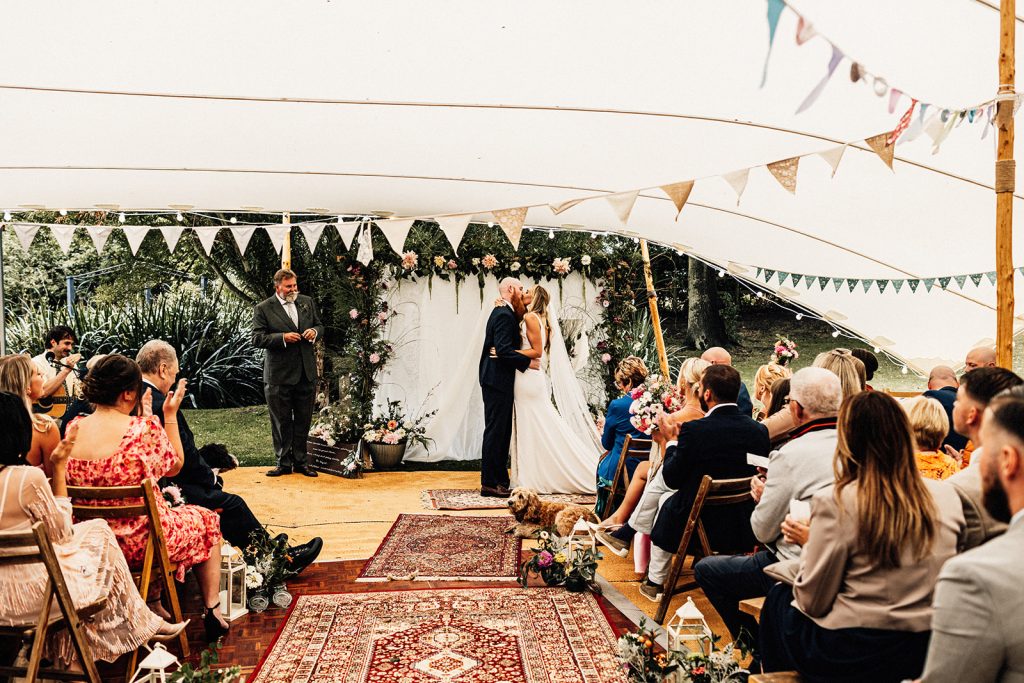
[(232, 583), (688, 629), (153, 669)]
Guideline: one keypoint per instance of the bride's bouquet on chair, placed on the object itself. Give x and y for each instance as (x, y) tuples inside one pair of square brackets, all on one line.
[(652, 398)]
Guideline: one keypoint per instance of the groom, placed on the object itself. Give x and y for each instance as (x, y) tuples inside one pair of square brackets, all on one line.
[(498, 364)]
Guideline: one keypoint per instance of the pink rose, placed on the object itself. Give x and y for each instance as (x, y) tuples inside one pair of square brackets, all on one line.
[(374, 358), (606, 357), (452, 265), (382, 316), (353, 314), (390, 438)]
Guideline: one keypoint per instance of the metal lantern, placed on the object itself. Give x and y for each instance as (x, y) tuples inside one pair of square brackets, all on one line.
[(153, 669), (581, 536), (232, 583), (688, 628)]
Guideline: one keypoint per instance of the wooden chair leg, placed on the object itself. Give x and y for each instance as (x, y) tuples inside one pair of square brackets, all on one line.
[(172, 595), (668, 588), (35, 657)]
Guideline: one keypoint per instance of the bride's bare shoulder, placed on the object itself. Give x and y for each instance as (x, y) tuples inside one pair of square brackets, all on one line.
[(532, 320)]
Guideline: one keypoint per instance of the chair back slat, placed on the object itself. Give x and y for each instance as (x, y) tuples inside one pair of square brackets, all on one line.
[(637, 448), (728, 492), (105, 492), (17, 539), (107, 511)]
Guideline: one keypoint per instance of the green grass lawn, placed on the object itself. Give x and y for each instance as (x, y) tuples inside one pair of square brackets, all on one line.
[(245, 431)]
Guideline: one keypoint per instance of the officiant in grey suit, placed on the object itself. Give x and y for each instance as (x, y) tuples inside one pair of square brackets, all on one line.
[(287, 325)]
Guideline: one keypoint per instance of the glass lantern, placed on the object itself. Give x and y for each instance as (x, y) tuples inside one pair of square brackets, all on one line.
[(232, 583), (688, 629), (581, 536), (153, 669)]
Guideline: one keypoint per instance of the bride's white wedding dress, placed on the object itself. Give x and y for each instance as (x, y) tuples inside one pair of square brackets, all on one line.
[(547, 454)]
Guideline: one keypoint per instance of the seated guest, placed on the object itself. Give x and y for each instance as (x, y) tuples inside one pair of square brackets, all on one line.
[(764, 378), (689, 382), (942, 386), (115, 448), (716, 445), (979, 604), (79, 406), (20, 376), (976, 391), (60, 386), (930, 425), (630, 373), (861, 602), (980, 357), (797, 471), (870, 362), (91, 563), (779, 393), (200, 485), (850, 370), (716, 355)]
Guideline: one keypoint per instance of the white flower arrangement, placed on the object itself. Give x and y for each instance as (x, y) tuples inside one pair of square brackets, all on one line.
[(585, 260)]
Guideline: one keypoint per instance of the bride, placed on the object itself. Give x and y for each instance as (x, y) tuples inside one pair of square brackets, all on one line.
[(550, 453)]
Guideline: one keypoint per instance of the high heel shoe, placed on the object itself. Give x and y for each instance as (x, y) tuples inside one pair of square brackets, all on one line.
[(175, 631), (214, 629)]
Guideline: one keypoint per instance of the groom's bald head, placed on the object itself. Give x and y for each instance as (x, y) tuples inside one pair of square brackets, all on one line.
[(509, 286)]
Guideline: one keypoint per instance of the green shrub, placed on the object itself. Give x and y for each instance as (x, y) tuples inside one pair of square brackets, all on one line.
[(212, 335)]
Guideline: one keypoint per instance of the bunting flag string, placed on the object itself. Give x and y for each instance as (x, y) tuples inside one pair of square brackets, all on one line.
[(881, 284)]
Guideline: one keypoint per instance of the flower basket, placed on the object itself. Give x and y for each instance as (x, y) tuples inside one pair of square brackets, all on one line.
[(386, 456)]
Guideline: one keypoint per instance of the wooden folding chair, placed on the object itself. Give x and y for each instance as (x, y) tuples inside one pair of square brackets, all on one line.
[(712, 493), (30, 547), (631, 448), (136, 501)]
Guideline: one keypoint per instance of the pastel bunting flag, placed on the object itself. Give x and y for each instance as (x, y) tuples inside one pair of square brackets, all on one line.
[(26, 233), (903, 124), (347, 231), (313, 232), (961, 280), (171, 234), (396, 231), (242, 235), (365, 253), (622, 203), (738, 182), (785, 172), (99, 235), (991, 275), (565, 206), (511, 222), (135, 234), (894, 99), (897, 285), (775, 8), (277, 234), (884, 151), (867, 284), (929, 283), (804, 31), (454, 228), (64, 234), (833, 157), (678, 193), (837, 56), (207, 234)]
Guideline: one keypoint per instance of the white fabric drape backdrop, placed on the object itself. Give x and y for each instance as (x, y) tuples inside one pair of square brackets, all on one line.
[(437, 352)]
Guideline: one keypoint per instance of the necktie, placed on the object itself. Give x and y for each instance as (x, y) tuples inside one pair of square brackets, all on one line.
[(289, 307)]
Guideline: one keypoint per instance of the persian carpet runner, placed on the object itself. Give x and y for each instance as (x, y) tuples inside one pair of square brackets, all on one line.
[(470, 499), (467, 635), (446, 548)]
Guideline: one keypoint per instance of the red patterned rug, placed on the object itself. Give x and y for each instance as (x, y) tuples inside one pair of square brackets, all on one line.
[(470, 499), (469, 635), (446, 548)]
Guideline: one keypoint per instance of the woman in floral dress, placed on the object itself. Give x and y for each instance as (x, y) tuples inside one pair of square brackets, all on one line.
[(115, 448)]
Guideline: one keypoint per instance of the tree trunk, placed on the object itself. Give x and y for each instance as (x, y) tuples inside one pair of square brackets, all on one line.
[(704, 325)]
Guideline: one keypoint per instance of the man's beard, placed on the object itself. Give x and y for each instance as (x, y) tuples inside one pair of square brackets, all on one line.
[(703, 403), (290, 297), (518, 307), (995, 499)]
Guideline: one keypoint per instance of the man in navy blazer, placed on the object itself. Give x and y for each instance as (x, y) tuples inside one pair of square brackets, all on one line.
[(942, 386), (716, 445), (716, 355)]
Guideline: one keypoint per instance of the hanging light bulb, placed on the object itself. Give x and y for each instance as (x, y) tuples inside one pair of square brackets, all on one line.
[(836, 333), (721, 273), (799, 316), (233, 220), (760, 295), (593, 235), (121, 217), (636, 240), (903, 369), (63, 212), (877, 349), (490, 224), (180, 217), (7, 215), (551, 234)]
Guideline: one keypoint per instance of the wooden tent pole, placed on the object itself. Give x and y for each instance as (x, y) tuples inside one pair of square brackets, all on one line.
[(652, 302), (1005, 172), (286, 249)]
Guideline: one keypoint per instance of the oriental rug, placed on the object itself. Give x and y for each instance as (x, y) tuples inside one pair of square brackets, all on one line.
[(446, 548), (470, 499), (467, 635)]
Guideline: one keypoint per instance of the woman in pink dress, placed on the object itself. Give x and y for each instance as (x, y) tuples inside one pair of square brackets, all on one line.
[(90, 560), (115, 448)]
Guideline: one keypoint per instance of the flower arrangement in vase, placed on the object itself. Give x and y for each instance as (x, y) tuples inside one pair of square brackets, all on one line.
[(391, 430), (267, 570), (642, 664), (563, 561)]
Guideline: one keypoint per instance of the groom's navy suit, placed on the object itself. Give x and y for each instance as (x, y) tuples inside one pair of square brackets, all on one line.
[(497, 381)]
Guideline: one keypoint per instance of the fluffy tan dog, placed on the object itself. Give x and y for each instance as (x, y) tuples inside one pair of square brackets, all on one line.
[(533, 514)]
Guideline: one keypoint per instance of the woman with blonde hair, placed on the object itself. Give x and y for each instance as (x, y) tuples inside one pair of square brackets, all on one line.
[(930, 425), (848, 368), (764, 378), (860, 608), (20, 376)]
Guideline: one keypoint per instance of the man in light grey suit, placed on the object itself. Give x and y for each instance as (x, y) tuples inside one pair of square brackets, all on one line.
[(978, 625), (287, 325)]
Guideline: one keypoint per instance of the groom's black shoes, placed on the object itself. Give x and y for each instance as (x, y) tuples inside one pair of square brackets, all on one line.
[(498, 491)]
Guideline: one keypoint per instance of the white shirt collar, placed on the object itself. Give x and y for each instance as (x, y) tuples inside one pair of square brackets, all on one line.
[(1017, 517), (717, 406)]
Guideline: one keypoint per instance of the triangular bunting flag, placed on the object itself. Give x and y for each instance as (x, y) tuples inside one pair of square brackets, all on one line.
[(894, 98), (365, 253), (914, 284), (822, 281), (135, 234), (898, 285), (884, 151), (775, 8), (313, 232), (242, 235), (810, 281), (796, 279), (511, 221), (454, 228), (207, 234), (867, 284), (622, 203), (64, 234), (833, 157), (976, 279), (961, 280), (678, 193), (804, 31), (837, 56), (171, 233), (759, 272), (991, 275), (851, 283), (738, 182), (347, 231), (277, 233), (565, 206), (768, 275), (882, 284), (783, 277), (785, 172), (929, 283), (99, 235), (396, 231), (837, 282), (1021, 270), (26, 233), (903, 124)]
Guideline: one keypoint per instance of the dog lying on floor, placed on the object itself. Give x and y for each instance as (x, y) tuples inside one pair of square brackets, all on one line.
[(533, 514)]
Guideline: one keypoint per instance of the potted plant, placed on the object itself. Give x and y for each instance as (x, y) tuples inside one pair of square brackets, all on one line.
[(388, 434)]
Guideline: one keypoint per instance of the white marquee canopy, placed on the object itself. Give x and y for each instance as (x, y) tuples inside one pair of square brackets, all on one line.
[(454, 107)]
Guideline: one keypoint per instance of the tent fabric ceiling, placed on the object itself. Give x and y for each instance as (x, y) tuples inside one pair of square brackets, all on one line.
[(458, 107)]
